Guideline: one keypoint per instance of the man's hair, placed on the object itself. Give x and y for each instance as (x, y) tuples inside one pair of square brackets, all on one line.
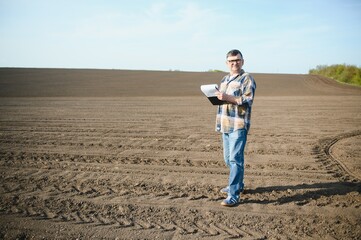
[(234, 52)]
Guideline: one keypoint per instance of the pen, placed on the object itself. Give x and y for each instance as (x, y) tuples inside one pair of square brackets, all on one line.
[(217, 89)]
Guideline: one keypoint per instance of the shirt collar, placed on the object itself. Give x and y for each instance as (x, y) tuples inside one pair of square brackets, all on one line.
[(230, 78)]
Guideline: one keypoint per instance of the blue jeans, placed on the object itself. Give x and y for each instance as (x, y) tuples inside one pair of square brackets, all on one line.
[(233, 152)]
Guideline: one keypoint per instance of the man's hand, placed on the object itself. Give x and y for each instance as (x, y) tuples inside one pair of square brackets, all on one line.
[(221, 96), (225, 97)]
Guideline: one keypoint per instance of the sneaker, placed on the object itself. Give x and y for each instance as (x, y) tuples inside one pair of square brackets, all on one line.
[(229, 202)]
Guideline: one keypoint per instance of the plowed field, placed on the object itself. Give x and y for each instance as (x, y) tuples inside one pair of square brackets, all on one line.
[(110, 154)]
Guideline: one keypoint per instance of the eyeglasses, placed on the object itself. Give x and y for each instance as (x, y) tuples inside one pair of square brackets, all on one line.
[(234, 60)]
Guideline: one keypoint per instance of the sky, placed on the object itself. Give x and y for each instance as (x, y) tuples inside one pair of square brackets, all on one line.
[(278, 36)]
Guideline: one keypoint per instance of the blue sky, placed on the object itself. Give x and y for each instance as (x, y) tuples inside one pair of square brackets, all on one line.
[(278, 36)]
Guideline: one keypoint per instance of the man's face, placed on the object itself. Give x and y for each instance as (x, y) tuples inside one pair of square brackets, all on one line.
[(235, 63)]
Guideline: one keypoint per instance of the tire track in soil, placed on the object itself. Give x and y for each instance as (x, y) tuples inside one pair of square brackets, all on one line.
[(323, 152), (85, 211), (76, 199), (61, 207)]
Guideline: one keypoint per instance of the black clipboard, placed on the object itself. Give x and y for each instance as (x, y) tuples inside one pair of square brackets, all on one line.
[(209, 91)]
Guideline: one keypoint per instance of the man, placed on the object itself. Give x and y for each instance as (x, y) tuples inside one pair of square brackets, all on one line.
[(237, 90)]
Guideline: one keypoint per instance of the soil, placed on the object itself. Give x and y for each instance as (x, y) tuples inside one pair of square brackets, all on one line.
[(116, 154)]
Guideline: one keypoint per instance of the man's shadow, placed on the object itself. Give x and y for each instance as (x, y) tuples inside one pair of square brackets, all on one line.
[(299, 194)]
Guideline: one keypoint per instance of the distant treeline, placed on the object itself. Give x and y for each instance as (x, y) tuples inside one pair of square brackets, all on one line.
[(215, 70), (340, 72)]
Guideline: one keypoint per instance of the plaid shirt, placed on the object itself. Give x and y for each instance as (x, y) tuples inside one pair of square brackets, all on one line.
[(231, 117)]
